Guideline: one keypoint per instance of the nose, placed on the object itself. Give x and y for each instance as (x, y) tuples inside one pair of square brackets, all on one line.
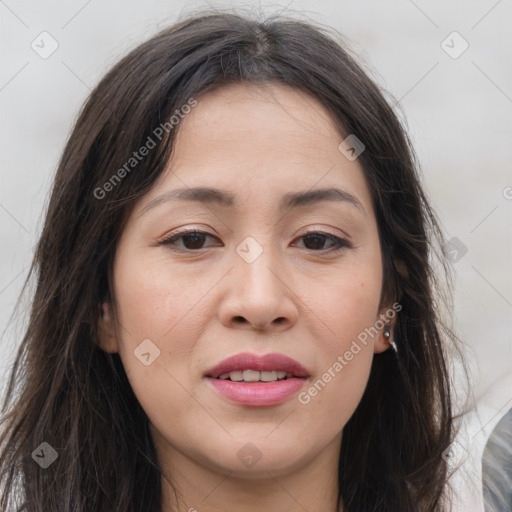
[(259, 296)]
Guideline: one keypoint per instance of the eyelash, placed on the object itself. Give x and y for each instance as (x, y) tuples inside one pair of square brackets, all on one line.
[(340, 242)]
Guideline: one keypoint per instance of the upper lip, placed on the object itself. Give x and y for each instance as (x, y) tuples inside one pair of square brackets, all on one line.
[(268, 362)]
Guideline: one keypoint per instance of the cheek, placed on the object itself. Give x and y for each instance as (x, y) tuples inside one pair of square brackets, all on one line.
[(347, 304), (156, 316), (348, 312), (154, 300)]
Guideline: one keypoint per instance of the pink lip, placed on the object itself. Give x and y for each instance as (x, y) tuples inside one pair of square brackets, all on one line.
[(258, 394)]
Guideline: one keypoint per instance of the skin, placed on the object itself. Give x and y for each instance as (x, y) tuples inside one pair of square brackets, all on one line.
[(200, 302)]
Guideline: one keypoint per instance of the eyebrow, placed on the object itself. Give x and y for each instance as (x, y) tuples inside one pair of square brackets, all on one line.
[(224, 198)]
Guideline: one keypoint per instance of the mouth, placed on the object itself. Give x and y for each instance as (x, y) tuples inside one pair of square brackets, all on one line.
[(257, 376), (253, 368), (251, 380)]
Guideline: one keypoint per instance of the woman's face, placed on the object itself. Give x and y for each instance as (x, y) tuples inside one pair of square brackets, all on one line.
[(268, 274)]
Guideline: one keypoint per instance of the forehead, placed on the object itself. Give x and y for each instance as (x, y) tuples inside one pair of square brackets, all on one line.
[(273, 140), (275, 114)]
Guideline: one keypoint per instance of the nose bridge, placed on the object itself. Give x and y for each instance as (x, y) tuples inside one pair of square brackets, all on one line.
[(258, 294), (257, 267)]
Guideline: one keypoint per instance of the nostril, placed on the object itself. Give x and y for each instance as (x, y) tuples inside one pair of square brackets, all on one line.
[(242, 320)]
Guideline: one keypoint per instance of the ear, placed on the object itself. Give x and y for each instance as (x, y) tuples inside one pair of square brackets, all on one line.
[(385, 322), (106, 338)]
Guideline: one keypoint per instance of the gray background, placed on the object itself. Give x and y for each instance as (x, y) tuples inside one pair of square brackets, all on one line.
[(458, 110)]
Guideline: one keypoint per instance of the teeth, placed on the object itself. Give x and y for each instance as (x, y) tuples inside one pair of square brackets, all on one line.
[(236, 376), (255, 376), (251, 376), (268, 376)]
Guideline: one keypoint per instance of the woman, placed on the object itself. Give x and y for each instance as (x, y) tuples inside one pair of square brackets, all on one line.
[(264, 370)]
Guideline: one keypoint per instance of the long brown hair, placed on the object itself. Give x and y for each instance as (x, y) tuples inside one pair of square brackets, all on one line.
[(77, 398)]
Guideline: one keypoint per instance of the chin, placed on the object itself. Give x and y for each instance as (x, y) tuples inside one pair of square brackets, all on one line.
[(253, 461)]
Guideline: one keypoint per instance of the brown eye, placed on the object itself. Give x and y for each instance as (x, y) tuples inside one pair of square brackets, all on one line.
[(192, 240), (316, 241)]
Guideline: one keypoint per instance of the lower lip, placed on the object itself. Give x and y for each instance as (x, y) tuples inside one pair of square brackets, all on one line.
[(258, 394)]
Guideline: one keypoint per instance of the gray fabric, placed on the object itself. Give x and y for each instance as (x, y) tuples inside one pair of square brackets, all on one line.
[(497, 467)]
